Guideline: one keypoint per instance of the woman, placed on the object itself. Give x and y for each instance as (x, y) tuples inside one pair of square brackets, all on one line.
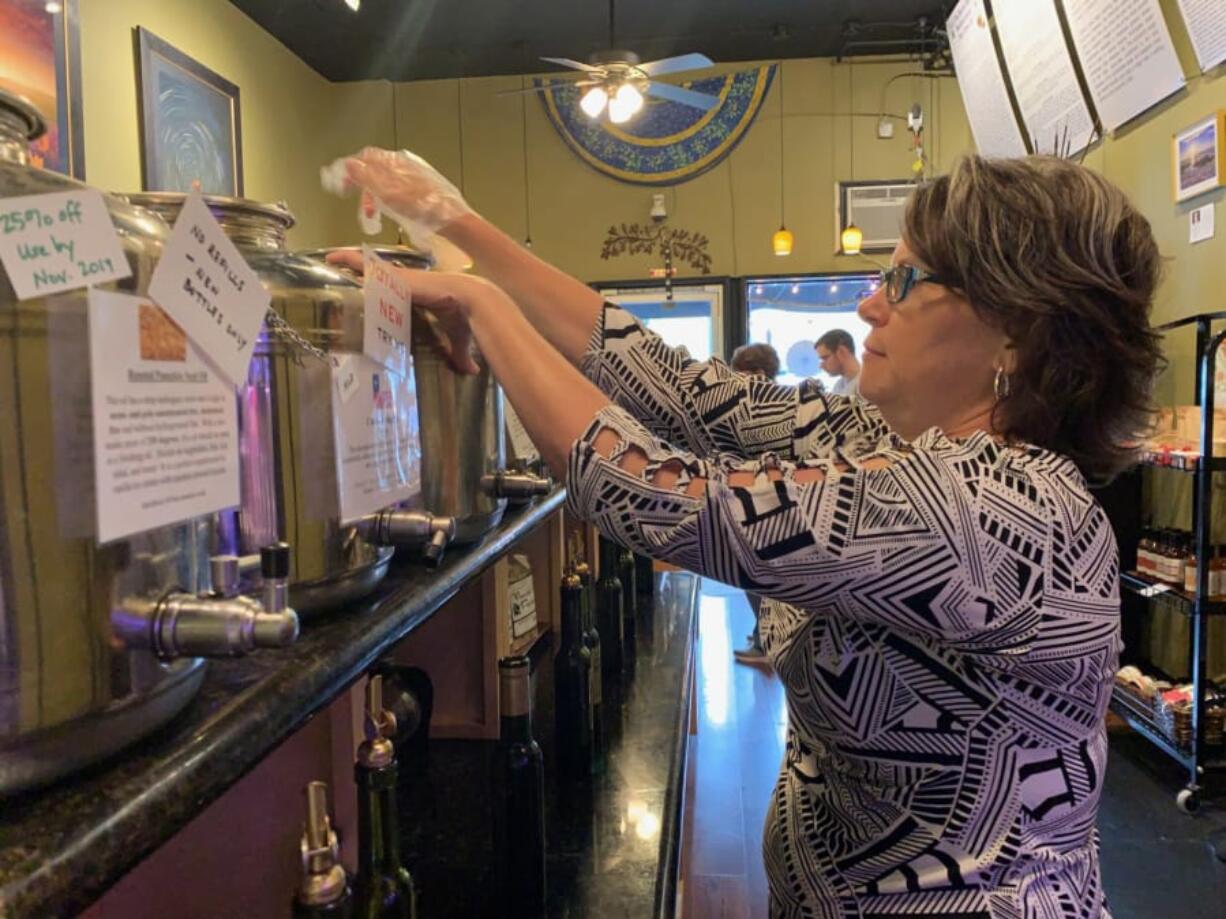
[(943, 587)]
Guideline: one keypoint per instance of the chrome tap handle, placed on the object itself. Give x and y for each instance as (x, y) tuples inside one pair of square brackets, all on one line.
[(515, 486)]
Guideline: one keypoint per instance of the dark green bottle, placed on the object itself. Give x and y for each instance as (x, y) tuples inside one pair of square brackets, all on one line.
[(520, 817), (383, 888), (324, 893), (609, 614), (628, 576), (591, 638), (572, 674)]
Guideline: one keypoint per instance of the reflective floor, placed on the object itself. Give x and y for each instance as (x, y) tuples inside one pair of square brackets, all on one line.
[(1157, 862)]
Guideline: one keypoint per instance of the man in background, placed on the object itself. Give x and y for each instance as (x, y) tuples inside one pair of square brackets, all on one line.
[(762, 361), (837, 352)]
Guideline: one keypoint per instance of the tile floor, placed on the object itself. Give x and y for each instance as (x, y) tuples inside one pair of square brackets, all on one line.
[(1157, 863)]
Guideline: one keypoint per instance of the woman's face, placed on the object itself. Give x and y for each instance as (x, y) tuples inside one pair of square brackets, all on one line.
[(928, 360)]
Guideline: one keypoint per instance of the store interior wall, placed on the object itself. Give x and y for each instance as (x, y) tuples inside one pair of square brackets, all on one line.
[(293, 120), (476, 137)]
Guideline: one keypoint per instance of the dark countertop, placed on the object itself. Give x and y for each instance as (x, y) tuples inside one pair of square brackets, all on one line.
[(62, 847), (611, 842)]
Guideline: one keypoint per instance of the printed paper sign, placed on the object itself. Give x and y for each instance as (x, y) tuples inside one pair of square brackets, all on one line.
[(345, 377), (378, 440), (209, 290), (165, 422), (1200, 223), (388, 313), (59, 242), (522, 597)]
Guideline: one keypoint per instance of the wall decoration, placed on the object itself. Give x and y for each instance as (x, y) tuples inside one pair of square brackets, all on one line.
[(667, 142), (641, 239), (40, 59), (191, 129), (1198, 153)]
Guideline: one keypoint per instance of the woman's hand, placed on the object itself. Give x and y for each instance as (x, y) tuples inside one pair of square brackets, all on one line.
[(408, 187)]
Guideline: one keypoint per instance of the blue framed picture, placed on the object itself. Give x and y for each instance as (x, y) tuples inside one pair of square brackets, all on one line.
[(191, 125)]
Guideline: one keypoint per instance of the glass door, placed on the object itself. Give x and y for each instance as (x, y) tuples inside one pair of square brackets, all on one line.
[(693, 318), (791, 314)]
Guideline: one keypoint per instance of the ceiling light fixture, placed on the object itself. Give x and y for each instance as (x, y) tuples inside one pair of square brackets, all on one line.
[(52, 7), (625, 104), (594, 101), (353, 4)]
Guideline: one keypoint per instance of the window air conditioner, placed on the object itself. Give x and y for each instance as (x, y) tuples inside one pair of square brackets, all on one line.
[(876, 208)]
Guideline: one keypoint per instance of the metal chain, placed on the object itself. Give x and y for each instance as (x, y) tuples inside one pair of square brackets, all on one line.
[(286, 332)]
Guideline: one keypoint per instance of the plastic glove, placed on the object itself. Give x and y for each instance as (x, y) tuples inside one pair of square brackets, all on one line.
[(401, 185)]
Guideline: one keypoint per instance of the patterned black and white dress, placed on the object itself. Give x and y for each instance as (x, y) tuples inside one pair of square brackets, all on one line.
[(947, 630)]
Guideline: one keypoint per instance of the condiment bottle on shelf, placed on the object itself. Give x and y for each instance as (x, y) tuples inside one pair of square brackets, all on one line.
[(1146, 560), (1217, 574), (1189, 567)]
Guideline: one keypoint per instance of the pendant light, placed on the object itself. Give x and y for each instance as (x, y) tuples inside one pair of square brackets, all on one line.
[(782, 241), (523, 113), (851, 238)]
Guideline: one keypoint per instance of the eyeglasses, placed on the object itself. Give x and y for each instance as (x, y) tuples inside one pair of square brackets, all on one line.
[(899, 280)]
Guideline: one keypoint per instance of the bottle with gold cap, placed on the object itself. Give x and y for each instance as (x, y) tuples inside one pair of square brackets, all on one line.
[(324, 892), (572, 674), (383, 888)]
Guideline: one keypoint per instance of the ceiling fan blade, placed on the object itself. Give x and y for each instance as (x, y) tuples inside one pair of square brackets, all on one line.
[(684, 96), (676, 64), (567, 62), (524, 91)]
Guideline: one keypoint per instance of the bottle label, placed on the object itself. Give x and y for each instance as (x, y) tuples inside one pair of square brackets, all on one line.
[(522, 598), (1189, 578)]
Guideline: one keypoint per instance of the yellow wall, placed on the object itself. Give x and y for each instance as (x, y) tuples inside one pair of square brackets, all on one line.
[(1138, 159), (736, 204), (293, 120)]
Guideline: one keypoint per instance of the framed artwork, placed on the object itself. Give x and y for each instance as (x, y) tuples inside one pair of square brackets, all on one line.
[(1198, 153), (40, 59), (191, 127)]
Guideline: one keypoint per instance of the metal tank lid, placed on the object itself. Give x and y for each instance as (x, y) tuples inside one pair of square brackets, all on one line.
[(407, 256), (250, 224), (20, 123)]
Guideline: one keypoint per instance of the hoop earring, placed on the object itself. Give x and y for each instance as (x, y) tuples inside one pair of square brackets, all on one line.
[(1000, 385)]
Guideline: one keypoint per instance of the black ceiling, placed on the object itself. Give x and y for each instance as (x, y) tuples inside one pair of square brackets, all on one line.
[(426, 39)]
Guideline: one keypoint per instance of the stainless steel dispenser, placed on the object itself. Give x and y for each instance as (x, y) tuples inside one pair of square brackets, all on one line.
[(289, 464), (462, 427), (98, 644)]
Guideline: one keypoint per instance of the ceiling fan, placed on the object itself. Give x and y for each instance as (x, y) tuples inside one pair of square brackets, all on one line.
[(617, 81)]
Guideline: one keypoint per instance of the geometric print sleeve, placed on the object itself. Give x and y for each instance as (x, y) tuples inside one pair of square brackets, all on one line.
[(938, 544), (709, 409)]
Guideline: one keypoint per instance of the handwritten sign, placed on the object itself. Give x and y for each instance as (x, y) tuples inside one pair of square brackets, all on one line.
[(165, 422), (61, 241), (388, 313), (210, 291)]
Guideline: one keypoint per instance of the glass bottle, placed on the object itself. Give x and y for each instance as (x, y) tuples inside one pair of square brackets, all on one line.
[(591, 638), (627, 574), (520, 823), (1145, 553), (383, 888), (610, 620), (324, 892), (572, 674), (1190, 568)]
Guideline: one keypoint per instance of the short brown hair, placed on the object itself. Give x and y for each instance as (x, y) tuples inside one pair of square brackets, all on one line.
[(835, 339), (1057, 258), (757, 358)]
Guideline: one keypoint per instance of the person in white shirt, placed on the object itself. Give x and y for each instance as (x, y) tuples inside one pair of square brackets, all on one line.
[(837, 352)]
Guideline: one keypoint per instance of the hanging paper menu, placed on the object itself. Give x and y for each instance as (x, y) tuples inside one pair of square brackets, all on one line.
[(984, 94), (1206, 21), (1126, 54), (1044, 80)]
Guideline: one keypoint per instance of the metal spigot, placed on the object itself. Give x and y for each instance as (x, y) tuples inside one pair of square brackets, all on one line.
[(515, 486), (220, 623), (379, 726), (324, 881), (393, 527)]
